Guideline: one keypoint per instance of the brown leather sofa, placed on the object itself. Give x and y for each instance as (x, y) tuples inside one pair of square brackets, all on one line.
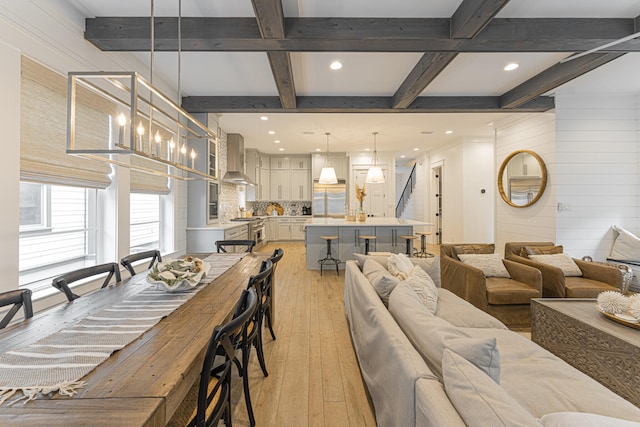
[(595, 277), (508, 300)]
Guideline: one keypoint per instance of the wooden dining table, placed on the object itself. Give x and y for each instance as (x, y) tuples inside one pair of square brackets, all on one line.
[(143, 383)]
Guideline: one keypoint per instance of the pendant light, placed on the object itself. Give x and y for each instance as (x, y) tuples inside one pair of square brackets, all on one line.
[(328, 174), (375, 175)]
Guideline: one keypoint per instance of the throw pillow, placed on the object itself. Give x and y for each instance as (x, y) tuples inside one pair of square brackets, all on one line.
[(431, 266), (478, 399), (561, 261), (542, 250), (626, 247), (381, 280), (361, 258), (474, 249), (483, 353), (424, 287), (490, 264), (400, 266), (582, 419)]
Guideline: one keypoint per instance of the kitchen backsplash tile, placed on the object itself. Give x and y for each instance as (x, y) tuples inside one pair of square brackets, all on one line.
[(290, 207)]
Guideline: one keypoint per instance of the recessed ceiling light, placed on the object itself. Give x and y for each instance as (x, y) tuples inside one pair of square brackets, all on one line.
[(449, 132), (277, 141), (367, 149), (416, 149), (264, 118), (511, 67), (402, 156), (335, 65), (280, 149), (272, 132), (318, 149)]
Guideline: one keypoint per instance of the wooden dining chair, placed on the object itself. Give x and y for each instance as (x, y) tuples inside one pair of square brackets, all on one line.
[(252, 336), (223, 245), (268, 290), (209, 400), (62, 282), (127, 262), (19, 298)]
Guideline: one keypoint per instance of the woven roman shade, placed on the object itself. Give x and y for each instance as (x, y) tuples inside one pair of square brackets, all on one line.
[(142, 182), (43, 130)]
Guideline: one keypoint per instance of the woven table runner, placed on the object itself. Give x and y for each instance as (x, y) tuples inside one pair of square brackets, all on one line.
[(58, 362)]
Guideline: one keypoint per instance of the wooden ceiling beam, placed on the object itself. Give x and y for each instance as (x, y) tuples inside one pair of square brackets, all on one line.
[(361, 35), (270, 20), (358, 104), (553, 77), (467, 21), (472, 16)]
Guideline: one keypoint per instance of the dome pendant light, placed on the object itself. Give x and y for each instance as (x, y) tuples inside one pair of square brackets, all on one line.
[(328, 174), (375, 175)]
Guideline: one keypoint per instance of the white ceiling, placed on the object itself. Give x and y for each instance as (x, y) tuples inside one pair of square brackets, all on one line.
[(368, 74)]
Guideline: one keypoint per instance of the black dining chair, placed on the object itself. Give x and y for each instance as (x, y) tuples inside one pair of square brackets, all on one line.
[(267, 292), (19, 298), (223, 245), (62, 282), (127, 262), (209, 400), (252, 337)]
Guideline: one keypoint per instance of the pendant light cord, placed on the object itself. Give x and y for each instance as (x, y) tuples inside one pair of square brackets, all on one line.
[(375, 150), (326, 162)]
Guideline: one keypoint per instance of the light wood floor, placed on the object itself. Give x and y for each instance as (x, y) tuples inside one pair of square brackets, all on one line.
[(314, 378)]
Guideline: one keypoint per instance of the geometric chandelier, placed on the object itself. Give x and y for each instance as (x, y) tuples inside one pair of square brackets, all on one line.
[(111, 115)]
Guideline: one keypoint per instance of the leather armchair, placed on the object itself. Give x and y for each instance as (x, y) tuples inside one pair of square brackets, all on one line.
[(507, 299), (595, 277)]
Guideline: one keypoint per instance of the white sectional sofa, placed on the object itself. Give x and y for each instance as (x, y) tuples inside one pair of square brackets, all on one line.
[(410, 361)]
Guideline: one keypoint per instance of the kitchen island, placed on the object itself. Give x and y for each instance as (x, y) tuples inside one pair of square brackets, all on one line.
[(386, 230)]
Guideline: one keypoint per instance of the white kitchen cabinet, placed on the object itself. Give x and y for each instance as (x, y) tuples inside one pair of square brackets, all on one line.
[(300, 185), (300, 163), (263, 185), (284, 229), (279, 163), (291, 228), (280, 184), (271, 229), (298, 228), (338, 161)]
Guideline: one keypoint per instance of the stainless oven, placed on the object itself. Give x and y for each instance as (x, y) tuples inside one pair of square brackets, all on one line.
[(258, 232)]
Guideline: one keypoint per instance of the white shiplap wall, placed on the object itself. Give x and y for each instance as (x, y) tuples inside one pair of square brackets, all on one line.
[(535, 132), (598, 153)]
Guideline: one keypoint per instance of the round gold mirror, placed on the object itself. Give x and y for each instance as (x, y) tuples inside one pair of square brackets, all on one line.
[(522, 178)]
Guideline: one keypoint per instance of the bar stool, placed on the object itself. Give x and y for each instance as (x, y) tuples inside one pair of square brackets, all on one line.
[(329, 259), (408, 239), (366, 243), (423, 246)]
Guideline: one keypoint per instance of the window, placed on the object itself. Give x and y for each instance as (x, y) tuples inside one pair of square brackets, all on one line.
[(57, 231), (144, 222)]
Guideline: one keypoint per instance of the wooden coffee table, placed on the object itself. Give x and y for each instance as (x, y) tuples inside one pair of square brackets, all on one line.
[(575, 331)]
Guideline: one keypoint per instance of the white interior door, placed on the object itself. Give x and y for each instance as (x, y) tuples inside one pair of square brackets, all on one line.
[(374, 202)]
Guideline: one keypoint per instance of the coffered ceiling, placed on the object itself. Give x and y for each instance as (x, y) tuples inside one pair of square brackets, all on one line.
[(411, 69)]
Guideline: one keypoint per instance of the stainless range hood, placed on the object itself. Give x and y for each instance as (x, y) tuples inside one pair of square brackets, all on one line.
[(235, 161)]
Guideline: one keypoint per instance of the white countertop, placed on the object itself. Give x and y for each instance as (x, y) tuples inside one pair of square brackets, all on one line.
[(373, 222), (226, 226)]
